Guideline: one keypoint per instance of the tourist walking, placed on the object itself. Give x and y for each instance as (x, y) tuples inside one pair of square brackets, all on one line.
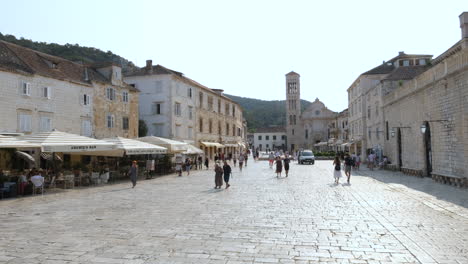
[(286, 162), (279, 167), (358, 161), (227, 173), (188, 166), (371, 161), (218, 175), (271, 159), (133, 173), (234, 158), (337, 169), (241, 161), (200, 162), (348, 162), (206, 162), (246, 157)]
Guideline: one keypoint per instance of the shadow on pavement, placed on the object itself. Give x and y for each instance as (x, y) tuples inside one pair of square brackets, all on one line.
[(440, 191)]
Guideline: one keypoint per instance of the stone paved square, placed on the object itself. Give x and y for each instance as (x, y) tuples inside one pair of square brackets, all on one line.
[(382, 217)]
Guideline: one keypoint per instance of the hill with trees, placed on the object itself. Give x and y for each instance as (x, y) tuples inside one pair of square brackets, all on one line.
[(73, 52), (261, 113)]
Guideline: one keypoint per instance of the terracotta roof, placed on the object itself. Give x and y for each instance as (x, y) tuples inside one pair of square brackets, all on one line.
[(159, 69), (292, 73), (18, 59), (381, 69), (270, 130), (406, 72)]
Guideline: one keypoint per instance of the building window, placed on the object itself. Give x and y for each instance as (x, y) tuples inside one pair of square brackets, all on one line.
[(125, 97), (46, 92), (110, 121), (110, 93), (210, 103), (292, 132), (177, 130), (125, 123), (210, 126), (190, 132), (201, 125), (422, 62), (219, 106), (259, 137), (24, 122), (377, 133), (226, 109), (85, 99), (283, 137), (158, 130), (233, 130), (368, 112), (177, 109), (238, 132), (158, 85), (267, 145), (219, 128), (386, 130), (45, 124), (260, 146), (406, 63), (369, 132), (306, 133), (190, 112), (189, 92), (233, 110), (267, 137), (157, 108), (294, 119), (86, 129), (376, 109), (26, 88), (274, 137), (201, 99), (227, 129)]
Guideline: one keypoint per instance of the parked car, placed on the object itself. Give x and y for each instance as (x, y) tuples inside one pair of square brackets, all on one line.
[(306, 156)]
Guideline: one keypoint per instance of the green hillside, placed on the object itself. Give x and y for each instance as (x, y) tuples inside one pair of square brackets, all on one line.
[(73, 52), (260, 113)]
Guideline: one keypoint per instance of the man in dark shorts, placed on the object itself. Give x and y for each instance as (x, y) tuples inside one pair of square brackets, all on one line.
[(286, 161), (348, 162), (227, 173)]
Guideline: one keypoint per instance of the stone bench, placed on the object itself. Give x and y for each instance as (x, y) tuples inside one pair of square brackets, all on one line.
[(449, 179), (412, 172)]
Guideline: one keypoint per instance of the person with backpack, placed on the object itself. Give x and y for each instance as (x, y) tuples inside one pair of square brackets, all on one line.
[(337, 169), (227, 173)]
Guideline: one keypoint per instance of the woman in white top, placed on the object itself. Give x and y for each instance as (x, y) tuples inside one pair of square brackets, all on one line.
[(337, 169)]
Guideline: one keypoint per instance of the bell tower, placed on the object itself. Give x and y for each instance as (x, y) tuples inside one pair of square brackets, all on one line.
[(293, 111)]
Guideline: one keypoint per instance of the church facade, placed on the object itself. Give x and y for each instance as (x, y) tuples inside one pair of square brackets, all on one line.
[(305, 128)]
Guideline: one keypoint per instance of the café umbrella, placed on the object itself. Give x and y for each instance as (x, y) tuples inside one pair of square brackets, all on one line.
[(135, 147), (173, 146), (57, 141)]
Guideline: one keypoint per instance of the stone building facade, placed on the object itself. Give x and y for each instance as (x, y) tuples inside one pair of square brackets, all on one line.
[(434, 102), (176, 107), (40, 92), (304, 129), (269, 138)]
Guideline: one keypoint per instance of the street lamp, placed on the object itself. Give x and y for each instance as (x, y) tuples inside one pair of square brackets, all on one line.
[(423, 128)]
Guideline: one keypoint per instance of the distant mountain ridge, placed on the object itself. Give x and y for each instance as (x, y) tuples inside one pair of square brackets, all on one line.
[(261, 113)]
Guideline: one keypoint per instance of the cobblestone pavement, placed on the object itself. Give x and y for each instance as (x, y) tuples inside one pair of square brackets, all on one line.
[(382, 217)]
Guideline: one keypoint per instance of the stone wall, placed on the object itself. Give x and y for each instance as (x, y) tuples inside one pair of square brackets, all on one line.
[(64, 105), (440, 93)]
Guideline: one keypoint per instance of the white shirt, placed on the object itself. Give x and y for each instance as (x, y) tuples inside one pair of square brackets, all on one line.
[(37, 180)]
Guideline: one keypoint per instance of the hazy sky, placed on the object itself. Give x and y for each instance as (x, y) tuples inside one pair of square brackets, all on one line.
[(246, 47)]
